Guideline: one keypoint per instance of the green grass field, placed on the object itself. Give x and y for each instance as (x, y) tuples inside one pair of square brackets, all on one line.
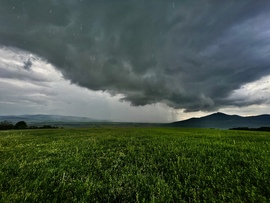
[(117, 164)]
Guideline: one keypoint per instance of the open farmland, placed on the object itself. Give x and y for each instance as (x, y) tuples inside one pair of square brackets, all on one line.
[(117, 164)]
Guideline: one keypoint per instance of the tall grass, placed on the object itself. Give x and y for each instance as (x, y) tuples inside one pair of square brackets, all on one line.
[(134, 165)]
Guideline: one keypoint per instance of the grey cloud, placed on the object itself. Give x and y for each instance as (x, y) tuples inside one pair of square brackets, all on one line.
[(27, 64), (187, 54), (22, 92)]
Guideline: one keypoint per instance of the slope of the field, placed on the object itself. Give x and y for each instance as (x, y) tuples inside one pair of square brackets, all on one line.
[(134, 165)]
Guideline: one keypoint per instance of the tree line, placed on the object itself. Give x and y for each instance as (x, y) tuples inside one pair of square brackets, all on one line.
[(8, 125), (266, 129)]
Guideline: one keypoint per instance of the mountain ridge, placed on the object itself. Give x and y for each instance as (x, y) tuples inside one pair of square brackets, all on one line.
[(33, 118), (224, 121)]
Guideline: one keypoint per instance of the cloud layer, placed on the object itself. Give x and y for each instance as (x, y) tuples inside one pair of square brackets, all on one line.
[(191, 55), (41, 89)]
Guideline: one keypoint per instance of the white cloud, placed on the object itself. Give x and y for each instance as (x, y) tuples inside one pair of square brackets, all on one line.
[(254, 93)]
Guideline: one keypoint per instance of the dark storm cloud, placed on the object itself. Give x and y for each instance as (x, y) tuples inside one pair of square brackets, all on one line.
[(188, 54), (27, 64)]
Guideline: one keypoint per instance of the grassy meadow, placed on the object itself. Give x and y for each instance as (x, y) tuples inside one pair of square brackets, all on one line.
[(118, 164)]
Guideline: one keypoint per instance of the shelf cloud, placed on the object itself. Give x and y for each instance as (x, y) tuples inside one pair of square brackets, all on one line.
[(191, 55)]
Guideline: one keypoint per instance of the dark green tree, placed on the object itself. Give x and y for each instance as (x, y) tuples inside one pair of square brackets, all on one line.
[(20, 125), (6, 125)]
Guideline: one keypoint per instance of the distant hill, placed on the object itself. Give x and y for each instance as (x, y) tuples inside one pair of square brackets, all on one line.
[(41, 118), (224, 121)]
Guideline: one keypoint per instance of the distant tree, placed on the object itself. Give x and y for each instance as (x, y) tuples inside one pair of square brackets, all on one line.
[(264, 129), (6, 125), (20, 125), (267, 129), (48, 127)]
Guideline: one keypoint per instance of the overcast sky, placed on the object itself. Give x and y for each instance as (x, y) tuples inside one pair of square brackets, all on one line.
[(134, 60)]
